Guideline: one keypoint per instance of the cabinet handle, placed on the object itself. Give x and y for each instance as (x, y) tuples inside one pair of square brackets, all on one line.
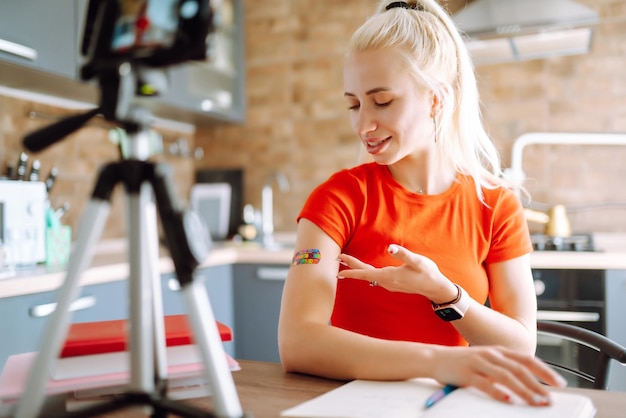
[(568, 316), (47, 308), (22, 51), (272, 273)]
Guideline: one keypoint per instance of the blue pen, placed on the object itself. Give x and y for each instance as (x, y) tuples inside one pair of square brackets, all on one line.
[(440, 394)]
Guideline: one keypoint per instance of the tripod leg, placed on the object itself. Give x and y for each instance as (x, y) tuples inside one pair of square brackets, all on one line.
[(152, 246), (141, 311), (203, 323), (212, 351), (89, 233)]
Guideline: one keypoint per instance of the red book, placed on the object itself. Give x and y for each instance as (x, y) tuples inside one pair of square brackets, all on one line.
[(87, 338), (97, 348)]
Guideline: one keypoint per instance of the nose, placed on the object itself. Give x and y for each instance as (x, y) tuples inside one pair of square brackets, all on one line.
[(363, 122)]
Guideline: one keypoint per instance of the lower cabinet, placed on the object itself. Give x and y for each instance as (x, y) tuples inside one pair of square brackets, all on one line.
[(246, 297), (24, 318), (219, 285), (257, 291)]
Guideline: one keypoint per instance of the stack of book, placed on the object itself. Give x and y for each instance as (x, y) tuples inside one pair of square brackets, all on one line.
[(94, 364)]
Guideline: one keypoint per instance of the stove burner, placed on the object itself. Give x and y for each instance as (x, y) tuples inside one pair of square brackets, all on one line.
[(575, 242)]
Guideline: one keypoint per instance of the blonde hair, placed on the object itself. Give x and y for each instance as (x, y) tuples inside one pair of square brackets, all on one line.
[(439, 61)]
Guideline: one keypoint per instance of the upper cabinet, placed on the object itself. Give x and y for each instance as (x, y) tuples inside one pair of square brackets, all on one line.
[(215, 86), (40, 34), (40, 52)]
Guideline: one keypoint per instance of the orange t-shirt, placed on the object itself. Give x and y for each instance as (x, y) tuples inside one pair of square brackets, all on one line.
[(364, 210)]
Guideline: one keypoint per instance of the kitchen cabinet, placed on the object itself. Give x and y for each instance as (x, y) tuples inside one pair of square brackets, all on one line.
[(615, 292), (258, 291), (198, 92), (214, 87), (51, 47), (24, 318), (219, 285)]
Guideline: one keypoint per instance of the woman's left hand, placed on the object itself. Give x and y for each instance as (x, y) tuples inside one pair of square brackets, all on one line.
[(418, 274)]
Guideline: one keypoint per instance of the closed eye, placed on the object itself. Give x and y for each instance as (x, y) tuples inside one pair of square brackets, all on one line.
[(353, 107), (384, 104)]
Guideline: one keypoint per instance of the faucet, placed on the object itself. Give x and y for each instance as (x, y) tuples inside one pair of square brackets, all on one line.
[(267, 205)]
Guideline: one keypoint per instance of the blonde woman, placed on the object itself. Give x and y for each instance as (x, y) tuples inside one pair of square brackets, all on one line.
[(396, 258)]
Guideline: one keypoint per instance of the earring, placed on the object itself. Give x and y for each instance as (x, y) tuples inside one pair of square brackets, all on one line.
[(435, 123)]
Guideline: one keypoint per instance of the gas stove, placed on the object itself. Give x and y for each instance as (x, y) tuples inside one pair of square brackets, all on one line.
[(575, 242)]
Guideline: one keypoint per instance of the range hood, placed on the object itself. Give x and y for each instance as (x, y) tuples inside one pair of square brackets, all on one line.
[(515, 30)]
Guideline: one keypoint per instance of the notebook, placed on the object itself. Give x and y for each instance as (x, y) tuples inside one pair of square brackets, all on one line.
[(182, 377), (399, 399), (96, 348)]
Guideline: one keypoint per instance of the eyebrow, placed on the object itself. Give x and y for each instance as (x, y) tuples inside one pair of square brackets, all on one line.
[(369, 92)]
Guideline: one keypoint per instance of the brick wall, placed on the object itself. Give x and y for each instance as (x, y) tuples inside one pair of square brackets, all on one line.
[(297, 121), (78, 158)]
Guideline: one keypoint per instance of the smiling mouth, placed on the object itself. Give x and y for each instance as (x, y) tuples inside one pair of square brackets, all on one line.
[(373, 144)]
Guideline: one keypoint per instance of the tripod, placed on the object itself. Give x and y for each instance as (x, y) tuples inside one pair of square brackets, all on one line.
[(145, 184)]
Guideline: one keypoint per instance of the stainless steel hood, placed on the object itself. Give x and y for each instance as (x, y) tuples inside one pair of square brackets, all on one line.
[(516, 30)]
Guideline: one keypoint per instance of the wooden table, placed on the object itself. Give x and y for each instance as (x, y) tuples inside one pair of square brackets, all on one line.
[(265, 390)]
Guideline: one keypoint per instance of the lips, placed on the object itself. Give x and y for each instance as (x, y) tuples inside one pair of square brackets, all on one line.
[(375, 146)]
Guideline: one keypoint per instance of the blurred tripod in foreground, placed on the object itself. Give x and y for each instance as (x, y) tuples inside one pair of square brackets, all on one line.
[(126, 41)]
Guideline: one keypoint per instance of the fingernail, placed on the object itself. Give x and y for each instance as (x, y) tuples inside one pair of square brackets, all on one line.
[(343, 263), (541, 400), (392, 249), (560, 380), (340, 277)]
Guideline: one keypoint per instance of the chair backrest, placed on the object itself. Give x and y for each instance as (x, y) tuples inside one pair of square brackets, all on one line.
[(606, 349)]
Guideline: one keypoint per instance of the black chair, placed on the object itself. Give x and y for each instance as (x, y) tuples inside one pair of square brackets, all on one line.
[(604, 350)]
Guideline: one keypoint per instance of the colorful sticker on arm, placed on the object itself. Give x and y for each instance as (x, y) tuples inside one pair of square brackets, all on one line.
[(311, 256)]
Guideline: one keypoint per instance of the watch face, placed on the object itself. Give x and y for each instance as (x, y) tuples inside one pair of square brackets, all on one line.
[(449, 313)]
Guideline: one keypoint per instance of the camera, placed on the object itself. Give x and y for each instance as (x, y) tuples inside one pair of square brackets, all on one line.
[(153, 33), (126, 44)]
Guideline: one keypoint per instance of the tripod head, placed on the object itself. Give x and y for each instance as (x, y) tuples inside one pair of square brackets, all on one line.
[(127, 44)]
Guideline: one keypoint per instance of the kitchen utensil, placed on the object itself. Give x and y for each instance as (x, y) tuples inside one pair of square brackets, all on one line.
[(21, 166), (558, 224), (51, 179), (34, 171), (556, 221)]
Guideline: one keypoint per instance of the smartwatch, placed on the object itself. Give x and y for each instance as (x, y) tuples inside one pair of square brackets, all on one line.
[(456, 308)]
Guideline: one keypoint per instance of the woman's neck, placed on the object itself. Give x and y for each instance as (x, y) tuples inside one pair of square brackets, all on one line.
[(423, 175)]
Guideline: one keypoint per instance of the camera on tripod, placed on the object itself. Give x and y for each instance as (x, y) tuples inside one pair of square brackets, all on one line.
[(127, 42), (154, 33), (126, 45)]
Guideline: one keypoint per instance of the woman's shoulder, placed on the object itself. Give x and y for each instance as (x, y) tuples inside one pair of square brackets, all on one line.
[(493, 195), (359, 174)]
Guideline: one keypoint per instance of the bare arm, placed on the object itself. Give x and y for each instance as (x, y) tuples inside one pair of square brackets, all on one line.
[(309, 344), (512, 319)]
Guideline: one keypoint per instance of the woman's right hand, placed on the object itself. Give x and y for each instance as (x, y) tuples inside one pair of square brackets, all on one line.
[(497, 371)]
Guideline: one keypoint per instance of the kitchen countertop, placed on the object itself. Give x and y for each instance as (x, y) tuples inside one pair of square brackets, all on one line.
[(110, 263)]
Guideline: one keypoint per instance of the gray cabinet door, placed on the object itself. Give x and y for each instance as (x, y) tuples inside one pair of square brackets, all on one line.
[(40, 34), (219, 285), (258, 292), (24, 318)]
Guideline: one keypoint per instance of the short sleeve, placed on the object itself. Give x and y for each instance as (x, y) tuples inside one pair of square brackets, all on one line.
[(510, 234), (334, 206)]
